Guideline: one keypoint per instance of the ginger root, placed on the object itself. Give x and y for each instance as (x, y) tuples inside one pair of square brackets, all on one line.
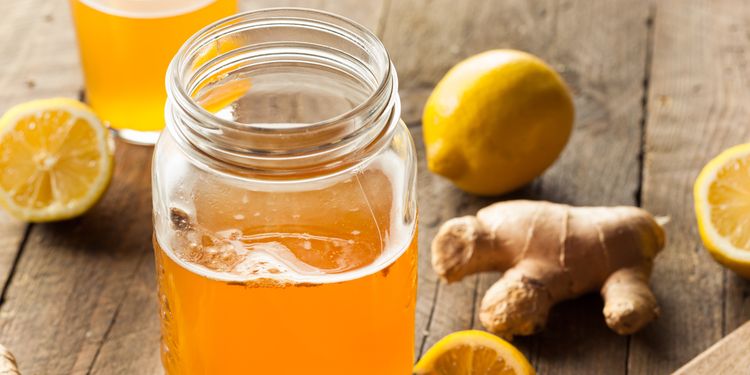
[(552, 252), (7, 362)]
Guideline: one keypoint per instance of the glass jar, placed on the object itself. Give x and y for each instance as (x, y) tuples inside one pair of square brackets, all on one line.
[(284, 202)]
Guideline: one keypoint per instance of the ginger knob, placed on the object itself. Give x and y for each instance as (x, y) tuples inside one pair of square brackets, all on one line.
[(553, 252)]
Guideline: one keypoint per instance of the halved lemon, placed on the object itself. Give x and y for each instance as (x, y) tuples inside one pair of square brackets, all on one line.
[(722, 206), (473, 353), (55, 159)]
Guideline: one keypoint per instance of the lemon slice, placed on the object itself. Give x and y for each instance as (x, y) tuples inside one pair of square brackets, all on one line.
[(722, 206), (55, 159), (473, 353)]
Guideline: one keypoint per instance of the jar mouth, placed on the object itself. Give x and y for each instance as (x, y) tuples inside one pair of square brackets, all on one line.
[(294, 17), (281, 88)]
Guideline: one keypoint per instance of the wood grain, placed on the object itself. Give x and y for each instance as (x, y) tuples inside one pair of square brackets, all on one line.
[(697, 107), (727, 357), (11, 237), (588, 43), (38, 58), (35, 61), (132, 345), (369, 13)]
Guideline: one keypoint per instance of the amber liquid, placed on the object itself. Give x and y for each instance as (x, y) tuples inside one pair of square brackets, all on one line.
[(321, 281), (125, 58), (362, 326)]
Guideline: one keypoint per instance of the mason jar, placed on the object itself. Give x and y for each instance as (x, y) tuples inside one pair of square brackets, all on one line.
[(284, 202)]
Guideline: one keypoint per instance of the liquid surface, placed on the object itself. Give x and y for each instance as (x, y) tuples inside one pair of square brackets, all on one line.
[(146, 8), (126, 47)]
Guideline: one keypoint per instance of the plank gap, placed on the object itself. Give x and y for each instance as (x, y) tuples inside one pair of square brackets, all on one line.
[(644, 104), (474, 300), (426, 332), (627, 354), (115, 314), (14, 266), (724, 296), (650, 20)]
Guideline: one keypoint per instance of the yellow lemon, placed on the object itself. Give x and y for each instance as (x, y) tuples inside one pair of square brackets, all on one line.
[(55, 159), (473, 353), (496, 121), (722, 207)]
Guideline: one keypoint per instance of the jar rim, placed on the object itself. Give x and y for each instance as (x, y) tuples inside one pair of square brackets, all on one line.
[(174, 77), (267, 148)]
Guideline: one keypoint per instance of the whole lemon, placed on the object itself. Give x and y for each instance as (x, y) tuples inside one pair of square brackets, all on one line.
[(496, 121)]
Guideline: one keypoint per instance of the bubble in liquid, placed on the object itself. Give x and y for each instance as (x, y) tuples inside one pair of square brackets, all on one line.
[(231, 234)]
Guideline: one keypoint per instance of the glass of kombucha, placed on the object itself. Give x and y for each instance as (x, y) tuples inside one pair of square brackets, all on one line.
[(125, 48), (284, 202)]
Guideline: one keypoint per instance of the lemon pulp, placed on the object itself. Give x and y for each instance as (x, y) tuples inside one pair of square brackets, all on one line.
[(55, 159), (722, 205)]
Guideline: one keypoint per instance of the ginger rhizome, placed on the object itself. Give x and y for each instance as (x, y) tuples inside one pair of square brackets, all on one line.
[(552, 252)]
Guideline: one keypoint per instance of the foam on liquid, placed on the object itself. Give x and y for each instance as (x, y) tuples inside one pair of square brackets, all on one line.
[(233, 256), (146, 8)]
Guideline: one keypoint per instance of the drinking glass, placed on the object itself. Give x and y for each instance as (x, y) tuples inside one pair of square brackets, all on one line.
[(125, 48)]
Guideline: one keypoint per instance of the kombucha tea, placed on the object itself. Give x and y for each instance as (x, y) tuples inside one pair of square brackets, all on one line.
[(125, 48), (310, 282)]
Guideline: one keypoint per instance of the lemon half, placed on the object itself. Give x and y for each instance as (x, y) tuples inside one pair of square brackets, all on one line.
[(722, 206), (473, 353), (55, 159)]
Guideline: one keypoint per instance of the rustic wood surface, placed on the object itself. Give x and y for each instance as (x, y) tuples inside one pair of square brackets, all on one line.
[(728, 356), (660, 87)]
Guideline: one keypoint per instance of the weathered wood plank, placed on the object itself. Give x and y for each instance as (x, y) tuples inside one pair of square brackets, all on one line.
[(72, 277), (600, 49), (726, 357), (737, 302), (132, 345), (37, 54), (11, 239), (697, 106), (368, 13), (33, 64)]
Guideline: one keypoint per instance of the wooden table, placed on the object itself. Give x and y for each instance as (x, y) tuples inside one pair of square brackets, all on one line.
[(660, 87)]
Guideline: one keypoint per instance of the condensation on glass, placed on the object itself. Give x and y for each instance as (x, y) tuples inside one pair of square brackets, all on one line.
[(284, 202)]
